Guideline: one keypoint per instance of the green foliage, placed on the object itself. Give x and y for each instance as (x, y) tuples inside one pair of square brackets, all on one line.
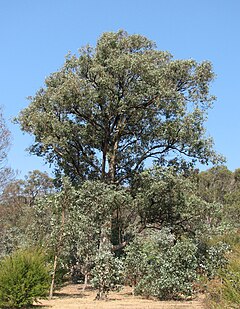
[(232, 207), (24, 277), (111, 108), (17, 210), (219, 184), (163, 267), (87, 210), (167, 198), (74, 222), (107, 275), (214, 183), (211, 257), (92, 208), (134, 265)]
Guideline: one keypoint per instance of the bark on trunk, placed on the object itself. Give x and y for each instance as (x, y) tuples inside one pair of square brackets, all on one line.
[(105, 241), (57, 254), (85, 281), (113, 161), (53, 277)]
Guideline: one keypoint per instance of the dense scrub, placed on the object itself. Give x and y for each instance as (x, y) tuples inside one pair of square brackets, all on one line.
[(24, 278)]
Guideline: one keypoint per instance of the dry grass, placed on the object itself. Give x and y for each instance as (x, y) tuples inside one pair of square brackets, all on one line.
[(72, 297)]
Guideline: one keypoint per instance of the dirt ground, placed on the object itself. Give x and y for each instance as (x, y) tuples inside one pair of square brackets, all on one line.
[(72, 297)]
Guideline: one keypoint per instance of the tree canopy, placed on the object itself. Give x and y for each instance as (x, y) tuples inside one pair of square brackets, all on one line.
[(111, 108)]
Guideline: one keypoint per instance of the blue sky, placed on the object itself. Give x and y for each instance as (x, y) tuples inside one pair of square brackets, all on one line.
[(36, 36)]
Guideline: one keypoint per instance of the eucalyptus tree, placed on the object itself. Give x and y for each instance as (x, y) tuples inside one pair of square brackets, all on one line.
[(111, 108), (106, 113)]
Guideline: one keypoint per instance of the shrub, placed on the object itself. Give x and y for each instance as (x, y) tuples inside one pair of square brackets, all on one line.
[(162, 267), (170, 274), (23, 278), (211, 257), (107, 274)]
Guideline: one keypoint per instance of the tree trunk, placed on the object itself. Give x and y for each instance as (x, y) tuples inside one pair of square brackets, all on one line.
[(105, 237), (104, 158), (113, 162), (53, 276), (57, 253), (85, 281)]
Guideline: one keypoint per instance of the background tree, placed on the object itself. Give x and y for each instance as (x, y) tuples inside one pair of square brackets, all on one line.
[(221, 185), (108, 110), (215, 183), (6, 173), (16, 209), (37, 184), (166, 198)]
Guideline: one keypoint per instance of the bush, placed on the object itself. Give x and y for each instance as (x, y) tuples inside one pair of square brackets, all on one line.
[(171, 274), (24, 277), (107, 274), (162, 267), (211, 257)]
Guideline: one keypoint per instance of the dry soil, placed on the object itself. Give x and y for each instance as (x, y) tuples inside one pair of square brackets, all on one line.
[(72, 297)]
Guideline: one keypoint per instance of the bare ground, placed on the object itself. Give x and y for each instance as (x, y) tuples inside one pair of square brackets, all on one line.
[(72, 297)]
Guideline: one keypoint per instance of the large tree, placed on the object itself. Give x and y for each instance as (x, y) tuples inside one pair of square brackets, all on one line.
[(112, 108)]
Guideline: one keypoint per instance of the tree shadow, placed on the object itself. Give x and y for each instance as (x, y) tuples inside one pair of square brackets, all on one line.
[(39, 305), (70, 295)]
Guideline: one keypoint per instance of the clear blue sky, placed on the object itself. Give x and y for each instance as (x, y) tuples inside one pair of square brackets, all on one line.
[(36, 35)]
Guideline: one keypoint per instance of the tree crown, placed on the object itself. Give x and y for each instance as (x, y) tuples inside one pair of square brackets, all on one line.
[(111, 108)]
